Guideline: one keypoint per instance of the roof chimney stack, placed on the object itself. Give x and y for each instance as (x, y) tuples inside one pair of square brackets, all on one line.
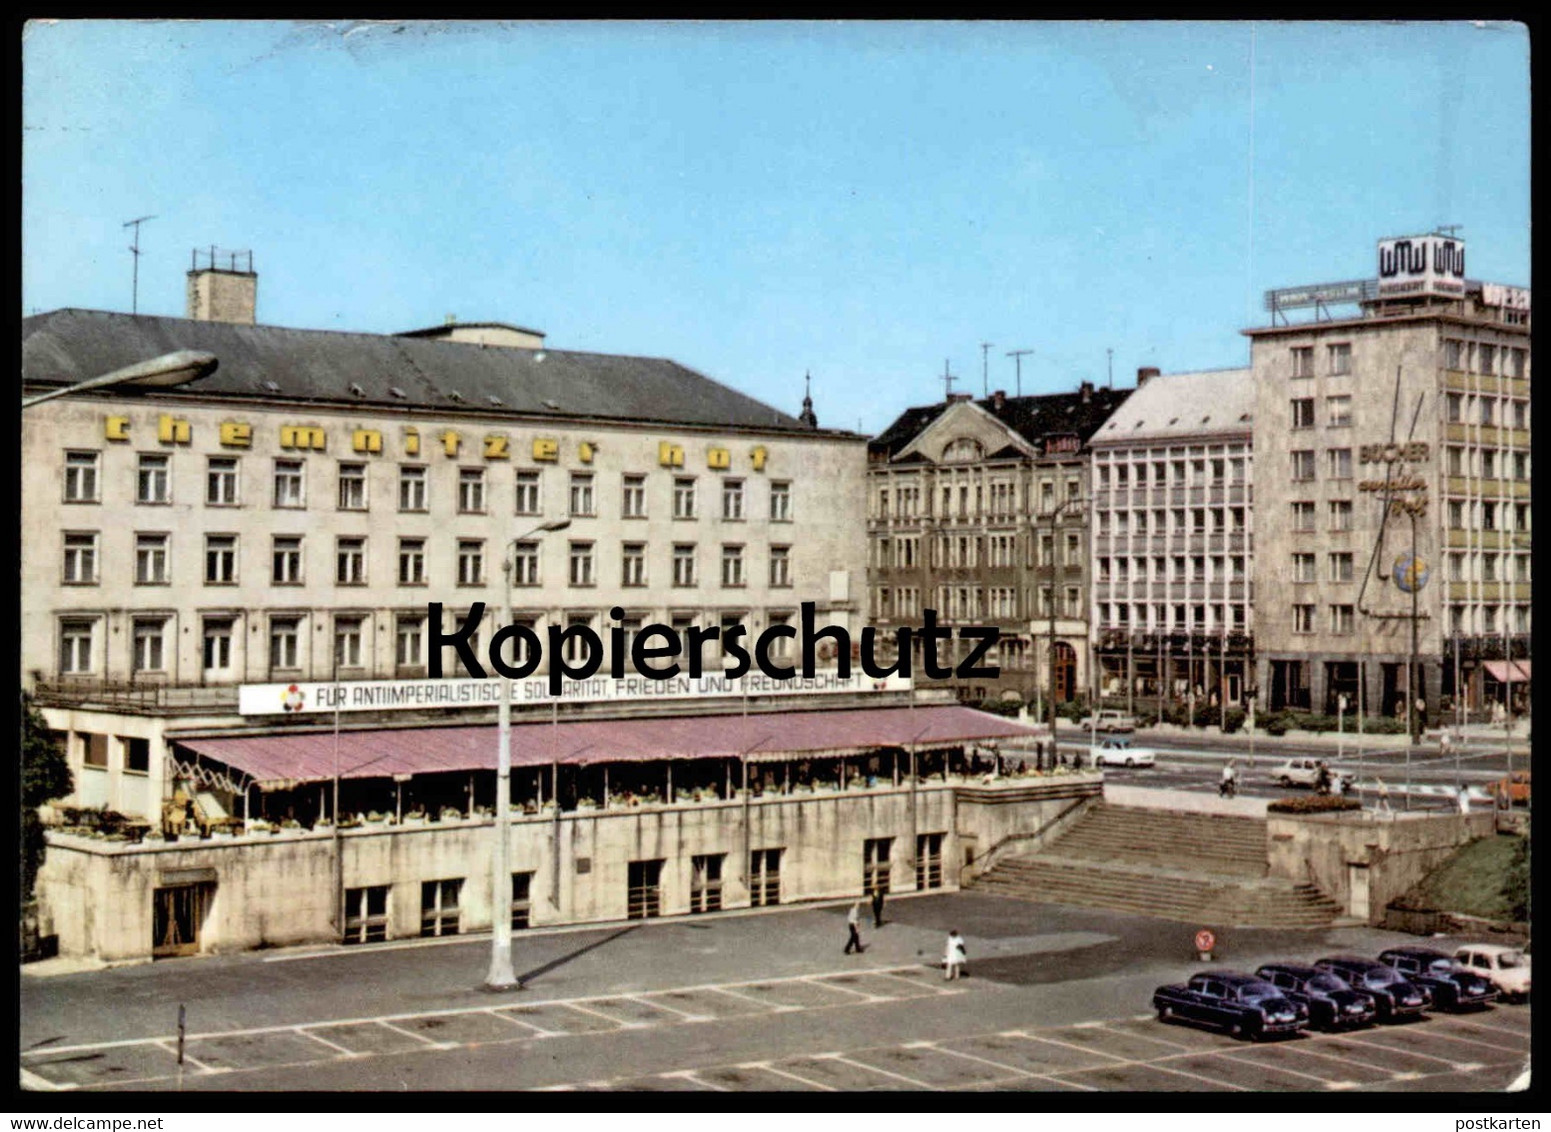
[(998, 399), (1144, 374), (1086, 389), (222, 286)]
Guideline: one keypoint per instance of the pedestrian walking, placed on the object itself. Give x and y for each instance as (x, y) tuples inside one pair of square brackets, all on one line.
[(877, 906), (1383, 803), (954, 958), (1464, 799), (853, 924)]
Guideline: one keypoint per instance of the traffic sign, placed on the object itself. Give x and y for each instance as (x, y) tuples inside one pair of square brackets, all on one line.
[(1205, 941)]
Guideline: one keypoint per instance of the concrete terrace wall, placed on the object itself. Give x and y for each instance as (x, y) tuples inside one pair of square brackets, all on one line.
[(1395, 851), (277, 890)]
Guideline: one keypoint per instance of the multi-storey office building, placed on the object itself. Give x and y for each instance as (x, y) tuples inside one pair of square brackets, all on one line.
[(1174, 539), (292, 516), (1394, 452), (979, 510)]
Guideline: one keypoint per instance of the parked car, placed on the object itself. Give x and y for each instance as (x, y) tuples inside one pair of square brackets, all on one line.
[(1394, 995), (1511, 789), (1116, 750), (1332, 1002), (1507, 968), (1108, 720), (1452, 987), (1305, 772), (1243, 1005)]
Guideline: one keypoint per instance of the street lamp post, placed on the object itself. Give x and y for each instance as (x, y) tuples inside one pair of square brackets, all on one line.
[(500, 976), (175, 368)]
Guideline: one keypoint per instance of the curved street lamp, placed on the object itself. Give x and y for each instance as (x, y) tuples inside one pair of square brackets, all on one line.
[(501, 976), (175, 368)]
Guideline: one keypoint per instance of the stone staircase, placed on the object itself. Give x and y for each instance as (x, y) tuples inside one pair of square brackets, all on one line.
[(1207, 869)]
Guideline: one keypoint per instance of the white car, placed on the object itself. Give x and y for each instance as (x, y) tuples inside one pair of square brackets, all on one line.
[(1507, 968), (1305, 772), (1116, 750), (1109, 720)]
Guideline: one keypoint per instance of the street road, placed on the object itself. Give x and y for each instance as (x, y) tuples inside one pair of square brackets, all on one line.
[(1058, 999)]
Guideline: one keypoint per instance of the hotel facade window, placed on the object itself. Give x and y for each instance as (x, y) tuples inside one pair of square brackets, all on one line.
[(352, 487), (581, 494), (633, 498), (732, 500), (80, 562), (581, 564), (471, 491), (347, 641), (528, 496), (732, 567), (221, 481), (409, 650), (290, 483), (150, 560), (217, 642), (412, 562), (284, 643), (220, 560), (633, 564), (684, 498), (1340, 355), (152, 479), (684, 565), (75, 646), (81, 477), (412, 488), (287, 560), (350, 562), (471, 562), (150, 644), (525, 564)]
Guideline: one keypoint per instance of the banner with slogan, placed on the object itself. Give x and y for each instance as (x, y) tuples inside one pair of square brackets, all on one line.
[(388, 695)]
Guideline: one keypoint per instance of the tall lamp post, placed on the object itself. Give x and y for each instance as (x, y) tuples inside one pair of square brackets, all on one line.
[(500, 976), (175, 368)]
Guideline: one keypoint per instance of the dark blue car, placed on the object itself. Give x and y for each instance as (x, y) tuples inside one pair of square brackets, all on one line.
[(1394, 995), (1332, 1003), (1452, 987), (1243, 1005)]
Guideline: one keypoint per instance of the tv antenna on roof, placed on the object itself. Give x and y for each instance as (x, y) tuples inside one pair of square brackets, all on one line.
[(134, 301), (1448, 229), (1017, 357), (947, 381), (985, 368)]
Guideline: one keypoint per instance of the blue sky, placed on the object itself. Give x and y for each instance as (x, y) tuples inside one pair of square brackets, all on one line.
[(862, 200)]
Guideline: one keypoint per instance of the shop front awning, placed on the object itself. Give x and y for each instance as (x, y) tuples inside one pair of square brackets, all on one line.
[(1505, 670), (276, 761)]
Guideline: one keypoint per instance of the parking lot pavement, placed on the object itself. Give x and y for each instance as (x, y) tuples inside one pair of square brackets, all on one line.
[(1485, 1051)]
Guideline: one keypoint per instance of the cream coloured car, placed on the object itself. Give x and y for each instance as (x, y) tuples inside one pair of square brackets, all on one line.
[(1507, 968)]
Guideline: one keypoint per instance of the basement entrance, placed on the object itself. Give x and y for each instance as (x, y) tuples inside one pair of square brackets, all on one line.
[(178, 918)]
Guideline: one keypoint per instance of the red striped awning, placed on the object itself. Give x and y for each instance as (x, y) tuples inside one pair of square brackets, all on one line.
[(309, 756)]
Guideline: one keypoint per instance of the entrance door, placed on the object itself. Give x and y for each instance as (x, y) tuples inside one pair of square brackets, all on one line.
[(1066, 670), (928, 861), (645, 890), (764, 877), (1357, 880), (705, 885), (177, 919)]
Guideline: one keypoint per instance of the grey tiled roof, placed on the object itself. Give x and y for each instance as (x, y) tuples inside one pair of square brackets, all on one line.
[(1184, 404), (70, 345)]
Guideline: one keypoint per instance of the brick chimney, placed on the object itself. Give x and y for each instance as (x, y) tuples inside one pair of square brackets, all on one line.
[(1086, 389), (224, 288), (998, 399), (1144, 374)]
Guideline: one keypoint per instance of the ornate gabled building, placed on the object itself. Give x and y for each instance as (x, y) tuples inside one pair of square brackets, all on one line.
[(979, 510)]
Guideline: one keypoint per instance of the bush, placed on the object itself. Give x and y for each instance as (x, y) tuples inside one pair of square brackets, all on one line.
[(1233, 719), (1277, 723), (1000, 707), (1073, 711), (1315, 804)]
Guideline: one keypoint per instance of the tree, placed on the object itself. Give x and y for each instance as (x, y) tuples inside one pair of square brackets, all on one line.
[(45, 776)]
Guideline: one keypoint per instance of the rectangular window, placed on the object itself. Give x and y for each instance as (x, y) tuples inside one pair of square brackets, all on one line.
[(1489, 567), (81, 477), (287, 560), (352, 487), (350, 562), (705, 882), (149, 645), (576, 644), (1303, 516), (1303, 567), (1453, 354), (525, 564), (471, 491), (439, 913), (150, 560), (1454, 407), (1341, 566), (1520, 414), (218, 644), (764, 878), (1303, 361), (732, 500), (411, 561), (633, 564), (1488, 411), (1303, 412), (1303, 619), (220, 560), (471, 562), (644, 895), (137, 755), (527, 493), (221, 481), (347, 641), (284, 642), (684, 498), (522, 901), (1486, 359), (581, 564), (1488, 463), (153, 481), (95, 750), (1341, 619), (732, 566), (366, 914), (1340, 356), (290, 478), (1340, 462), (1340, 514), (633, 498), (780, 567), (875, 864), (410, 642), (581, 493), (412, 489), (929, 860), (75, 647), (1303, 465), (684, 564), (1339, 411)]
